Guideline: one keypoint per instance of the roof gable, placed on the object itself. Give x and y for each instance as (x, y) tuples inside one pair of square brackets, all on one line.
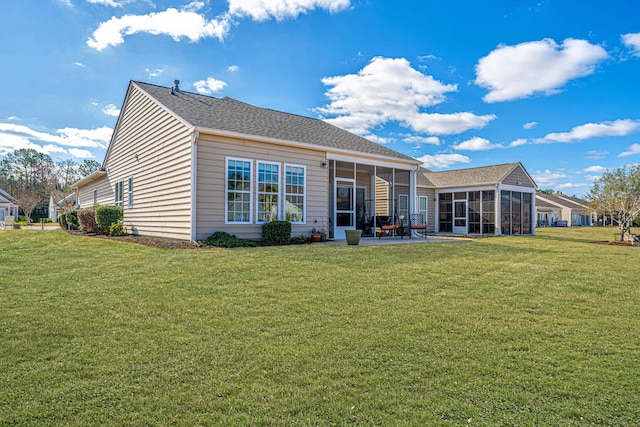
[(471, 176), (6, 197), (230, 115)]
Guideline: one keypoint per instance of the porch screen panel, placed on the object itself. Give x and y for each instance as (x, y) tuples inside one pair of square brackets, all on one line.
[(527, 216), (516, 212), (268, 191), (474, 207), (295, 193), (488, 212), (238, 191), (445, 208), (505, 212)]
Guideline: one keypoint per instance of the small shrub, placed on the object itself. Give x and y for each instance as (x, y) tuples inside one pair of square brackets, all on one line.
[(276, 232), (223, 239), (299, 240), (16, 225), (62, 220), (22, 218), (72, 220), (117, 229), (106, 216), (87, 219)]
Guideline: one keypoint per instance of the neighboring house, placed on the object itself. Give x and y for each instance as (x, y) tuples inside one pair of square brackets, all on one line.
[(561, 210), (8, 205), (490, 200), (58, 207), (184, 165)]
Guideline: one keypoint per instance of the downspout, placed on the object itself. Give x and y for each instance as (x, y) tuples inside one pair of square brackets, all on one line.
[(194, 182)]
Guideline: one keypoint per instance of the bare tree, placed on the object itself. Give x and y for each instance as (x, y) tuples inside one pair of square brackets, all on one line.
[(617, 192), (28, 200)]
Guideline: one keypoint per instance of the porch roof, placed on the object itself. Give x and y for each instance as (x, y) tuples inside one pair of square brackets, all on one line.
[(464, 177)]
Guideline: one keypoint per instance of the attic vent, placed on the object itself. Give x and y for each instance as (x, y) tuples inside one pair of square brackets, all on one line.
[(176, 88)]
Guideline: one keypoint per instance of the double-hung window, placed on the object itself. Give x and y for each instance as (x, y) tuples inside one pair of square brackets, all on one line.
[(118, 194), (268, 192), (295, 193), (238, 191)]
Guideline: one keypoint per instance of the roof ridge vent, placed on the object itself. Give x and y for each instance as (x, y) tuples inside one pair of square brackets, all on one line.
[(176, 87)]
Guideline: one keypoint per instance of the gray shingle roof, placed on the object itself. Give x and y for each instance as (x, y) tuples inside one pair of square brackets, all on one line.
[(6, 197), (227, 114), (562, 201), (460, 177)]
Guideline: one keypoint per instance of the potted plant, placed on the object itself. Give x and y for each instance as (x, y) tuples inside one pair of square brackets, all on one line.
[(316, 235), (352, 236)]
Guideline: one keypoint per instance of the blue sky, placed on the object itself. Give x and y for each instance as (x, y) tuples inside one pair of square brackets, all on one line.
[(552, 84)]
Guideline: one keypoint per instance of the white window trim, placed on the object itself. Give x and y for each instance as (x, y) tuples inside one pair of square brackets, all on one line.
[(304, 193), (426, 208), (120, 201), (281, 176), (226, 190), (130, 192)]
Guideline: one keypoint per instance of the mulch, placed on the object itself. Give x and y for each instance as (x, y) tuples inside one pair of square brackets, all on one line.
[(153, 242)]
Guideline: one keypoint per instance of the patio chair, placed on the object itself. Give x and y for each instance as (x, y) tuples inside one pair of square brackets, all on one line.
[(386, 226), (416, 222), (8, 222)]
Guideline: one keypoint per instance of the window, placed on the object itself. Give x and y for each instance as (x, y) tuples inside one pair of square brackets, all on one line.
[(423, 203), (295, 193), (488, 212), (268, 191), (505, 212), (474, 212), (118, 193), (403, 206), (238, 207), (130, 193), (445, 209), (516, 212), (526, 213), (95, 197)]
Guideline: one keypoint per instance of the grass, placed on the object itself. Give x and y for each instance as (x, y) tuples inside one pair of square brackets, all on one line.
[(503, 331)]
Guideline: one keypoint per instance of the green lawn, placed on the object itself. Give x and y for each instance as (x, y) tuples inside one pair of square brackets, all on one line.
[(504, 331)]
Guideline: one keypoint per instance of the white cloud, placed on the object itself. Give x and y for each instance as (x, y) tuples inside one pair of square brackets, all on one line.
[(442, 160), (154, 72), (390, 90), (529, 125), (476, 144), (432, 140), (569, 185), (20, 136), (79, 64), (171, 22), (518, 142), (111, 110), (631, 151), (82, 154), (595, 169), (632, 41), (233, 68), (110, 3), (209, 86), (593, 130), (13, 118), (596, 154), (546, 177), (515, 72), (262, 10)]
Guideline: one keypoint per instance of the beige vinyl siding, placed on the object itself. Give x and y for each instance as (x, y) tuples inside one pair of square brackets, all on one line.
[(211, 178), (154, 148), (430, 193), (518, 177), (105, 193)]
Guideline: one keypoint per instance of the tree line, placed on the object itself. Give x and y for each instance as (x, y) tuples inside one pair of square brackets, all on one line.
[(32, 177)]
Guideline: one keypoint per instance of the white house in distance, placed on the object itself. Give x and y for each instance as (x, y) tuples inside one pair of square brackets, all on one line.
[(184, 165), (561, 210), (8, 205)]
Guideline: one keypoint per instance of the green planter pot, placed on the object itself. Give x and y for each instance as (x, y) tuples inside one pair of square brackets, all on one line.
[(352, 236)]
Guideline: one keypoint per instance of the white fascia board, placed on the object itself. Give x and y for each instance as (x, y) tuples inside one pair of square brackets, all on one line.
[(89, 179)]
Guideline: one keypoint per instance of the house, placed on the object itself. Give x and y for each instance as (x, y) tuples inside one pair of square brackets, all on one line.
[(562, 210), (8, 205), (58, 207), (184, 165), (490, 200)]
